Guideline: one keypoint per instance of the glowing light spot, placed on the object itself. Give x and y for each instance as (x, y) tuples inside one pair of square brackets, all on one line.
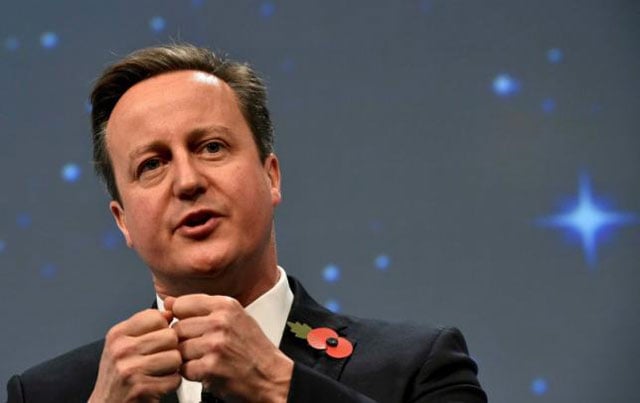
[(3, 246), (332, 305), (288, 65), (548, 105), (588, 219), (267, 9), (539, 386), (11, 43), (111, 239), (331, 273), (49, 40), (376, 226), (70, 172), (197, 3), (23, 220), (425, 6), (88, 108), (505, 85), (48, 271), (157, 24), (555, 55), (382, 262)]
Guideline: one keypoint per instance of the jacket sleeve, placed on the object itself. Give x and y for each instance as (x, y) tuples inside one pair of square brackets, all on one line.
[(448, 374), (14, 390)]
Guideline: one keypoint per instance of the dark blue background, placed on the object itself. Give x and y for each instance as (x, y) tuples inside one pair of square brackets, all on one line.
[(426, 148)]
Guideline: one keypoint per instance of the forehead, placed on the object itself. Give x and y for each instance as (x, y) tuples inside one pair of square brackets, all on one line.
[(170, 90), (169, 106)]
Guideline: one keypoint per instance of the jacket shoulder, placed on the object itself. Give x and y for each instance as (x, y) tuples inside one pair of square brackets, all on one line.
[(425, 361), (69, 377)]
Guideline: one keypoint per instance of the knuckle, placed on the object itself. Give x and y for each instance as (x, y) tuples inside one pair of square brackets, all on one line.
[(222, 319), (226, 337), (172, 337), (176, 358), (214, 320), (112, 334), (182, 348), (213, 345), (229, 302), (125, 372), (210, 361), (122, 347), (155, 318), (139, 390), (178, 304), (227, 317), (187, 370)]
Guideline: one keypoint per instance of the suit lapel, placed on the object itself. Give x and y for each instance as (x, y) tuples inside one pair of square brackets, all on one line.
[(306, 310)]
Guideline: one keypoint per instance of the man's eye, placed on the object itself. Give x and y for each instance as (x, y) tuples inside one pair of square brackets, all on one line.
[(213, 147), (149, 165)]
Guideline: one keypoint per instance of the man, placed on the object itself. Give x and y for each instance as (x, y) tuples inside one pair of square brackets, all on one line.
[(184, 142)]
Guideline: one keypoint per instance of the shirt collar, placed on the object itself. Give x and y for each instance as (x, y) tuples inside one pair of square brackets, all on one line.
[(271, 309)]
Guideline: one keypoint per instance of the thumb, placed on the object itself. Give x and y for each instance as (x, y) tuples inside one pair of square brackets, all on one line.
[(168, 303), (168, 308)]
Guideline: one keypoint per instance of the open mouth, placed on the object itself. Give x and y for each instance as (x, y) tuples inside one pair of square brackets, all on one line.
[(198, 225), (197, 219)]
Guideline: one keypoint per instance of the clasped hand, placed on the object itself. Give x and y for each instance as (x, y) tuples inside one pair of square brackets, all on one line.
[(214, 342)]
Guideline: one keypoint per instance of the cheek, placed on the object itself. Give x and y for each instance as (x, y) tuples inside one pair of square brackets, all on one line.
[(143, 222), (250, 197)]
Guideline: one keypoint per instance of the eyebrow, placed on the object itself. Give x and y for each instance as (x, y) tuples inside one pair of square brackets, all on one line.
[(192, 135), (143, 149)]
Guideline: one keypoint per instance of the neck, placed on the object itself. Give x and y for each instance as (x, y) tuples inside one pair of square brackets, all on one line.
[(242, 284), (244, 280)]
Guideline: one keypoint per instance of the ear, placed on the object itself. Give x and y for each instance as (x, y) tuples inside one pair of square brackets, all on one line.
[(272, 168), (118, 215)]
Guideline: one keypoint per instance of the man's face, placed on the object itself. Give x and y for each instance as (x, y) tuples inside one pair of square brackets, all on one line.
[(197, 202)]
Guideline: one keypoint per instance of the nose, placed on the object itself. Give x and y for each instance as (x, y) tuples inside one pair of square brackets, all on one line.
[(188, 181)]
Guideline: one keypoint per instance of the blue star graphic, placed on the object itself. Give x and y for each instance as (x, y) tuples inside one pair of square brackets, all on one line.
[(588, 218)]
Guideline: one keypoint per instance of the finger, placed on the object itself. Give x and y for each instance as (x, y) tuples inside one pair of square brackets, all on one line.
[(158, 386), (141, 323), (160, 364), (169, 383), (168, 303), (159, 340), (201, 305), (196, 348), (196, 326), (167, 315), (205, 368)]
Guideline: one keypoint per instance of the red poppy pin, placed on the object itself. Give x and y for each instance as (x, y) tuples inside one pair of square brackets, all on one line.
[(322, 338)]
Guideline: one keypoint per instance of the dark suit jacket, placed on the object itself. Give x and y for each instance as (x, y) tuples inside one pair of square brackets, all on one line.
[(390, 363)]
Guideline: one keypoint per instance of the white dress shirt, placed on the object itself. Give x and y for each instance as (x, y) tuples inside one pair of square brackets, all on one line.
[(270, 310)]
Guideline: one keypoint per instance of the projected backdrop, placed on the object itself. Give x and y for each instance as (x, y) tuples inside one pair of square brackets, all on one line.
[(457, 162)]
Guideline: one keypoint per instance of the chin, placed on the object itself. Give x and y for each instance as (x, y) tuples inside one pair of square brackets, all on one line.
[(206, 265)]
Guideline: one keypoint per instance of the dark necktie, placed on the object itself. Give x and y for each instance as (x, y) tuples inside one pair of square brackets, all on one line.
[(207, 397)]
